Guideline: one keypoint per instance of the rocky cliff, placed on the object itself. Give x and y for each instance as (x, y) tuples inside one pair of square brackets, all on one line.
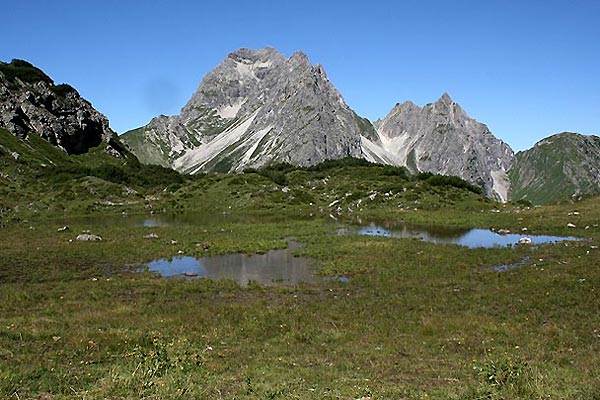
[(30, 102), (562, 166), (255, 108), (441, 138)]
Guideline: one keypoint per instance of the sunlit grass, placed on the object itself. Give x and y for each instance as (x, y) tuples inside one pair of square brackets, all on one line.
[(415, 320)]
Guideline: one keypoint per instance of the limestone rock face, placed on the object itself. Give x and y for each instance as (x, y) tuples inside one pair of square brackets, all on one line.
[(255, 108), (30, 102), (441, 138)]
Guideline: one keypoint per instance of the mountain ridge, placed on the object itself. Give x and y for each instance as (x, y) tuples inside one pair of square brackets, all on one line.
[(441, 138), (257, 107)]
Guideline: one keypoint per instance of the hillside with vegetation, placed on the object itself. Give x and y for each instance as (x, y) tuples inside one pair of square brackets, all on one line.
[(410, 319), (558, 168)]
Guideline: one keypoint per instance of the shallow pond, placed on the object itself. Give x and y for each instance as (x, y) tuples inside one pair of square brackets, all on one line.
[(280, 266), (272, 268), (464, 237)]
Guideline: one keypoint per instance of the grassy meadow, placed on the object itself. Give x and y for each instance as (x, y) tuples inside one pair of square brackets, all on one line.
[(415, 320)]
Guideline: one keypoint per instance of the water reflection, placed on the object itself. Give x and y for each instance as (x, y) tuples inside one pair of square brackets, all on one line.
[(435, 234), (464, 237), (273, 267)]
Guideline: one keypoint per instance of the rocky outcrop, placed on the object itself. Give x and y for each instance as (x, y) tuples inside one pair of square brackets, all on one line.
[(562, 166), (30, 102), (441, 138), (255, 108)]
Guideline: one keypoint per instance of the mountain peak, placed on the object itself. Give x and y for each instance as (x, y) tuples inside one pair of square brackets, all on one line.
[(445, 99), (300, 57), (245, 54)]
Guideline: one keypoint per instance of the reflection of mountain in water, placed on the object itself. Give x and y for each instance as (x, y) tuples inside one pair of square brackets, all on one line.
[(272, 267), (443, 235)]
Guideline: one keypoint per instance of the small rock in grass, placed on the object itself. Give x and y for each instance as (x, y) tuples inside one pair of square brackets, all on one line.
[(87, 237)]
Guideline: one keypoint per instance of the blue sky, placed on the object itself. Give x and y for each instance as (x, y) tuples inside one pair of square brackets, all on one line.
[(527, 69)]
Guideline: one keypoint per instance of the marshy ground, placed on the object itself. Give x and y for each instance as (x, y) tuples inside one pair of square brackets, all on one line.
[(413, 320)]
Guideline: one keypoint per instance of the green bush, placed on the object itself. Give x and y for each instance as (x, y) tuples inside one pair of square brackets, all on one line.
[(447, 180), (389, 170), (63, 89), (341, 162), (24, 71), (138, 175)]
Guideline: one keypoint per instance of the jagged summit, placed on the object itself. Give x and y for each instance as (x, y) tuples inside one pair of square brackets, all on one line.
[(259, 107), (253, 55), (445, 99), (441, 138), (254, 108)]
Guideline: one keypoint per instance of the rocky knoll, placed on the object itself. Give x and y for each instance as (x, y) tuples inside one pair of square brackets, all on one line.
[(30, 102), (441, 138)]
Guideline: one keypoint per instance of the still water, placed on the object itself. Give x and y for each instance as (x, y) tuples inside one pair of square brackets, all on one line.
[(435, 234), (280, 266), (470, 238), (272, 268)]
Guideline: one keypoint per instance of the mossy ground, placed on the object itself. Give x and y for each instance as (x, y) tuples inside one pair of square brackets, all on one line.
[(416, 320)]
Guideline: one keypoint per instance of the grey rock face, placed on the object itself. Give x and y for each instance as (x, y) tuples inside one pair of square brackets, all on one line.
[(31, 103), (255, 108), (441, 138)]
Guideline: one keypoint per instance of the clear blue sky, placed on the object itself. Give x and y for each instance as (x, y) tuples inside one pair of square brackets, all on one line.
[(527, 69)]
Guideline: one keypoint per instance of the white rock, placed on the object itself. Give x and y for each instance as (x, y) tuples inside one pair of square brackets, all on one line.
[(525, 240), (87, 237)]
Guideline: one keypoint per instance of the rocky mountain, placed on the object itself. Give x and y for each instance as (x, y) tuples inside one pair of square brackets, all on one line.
[(562, 166), (30, 102), (441, 138), (255, 108)]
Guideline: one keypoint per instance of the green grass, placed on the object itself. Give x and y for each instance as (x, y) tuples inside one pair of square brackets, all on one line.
[(561, 167), (24, 71), (415, 321)]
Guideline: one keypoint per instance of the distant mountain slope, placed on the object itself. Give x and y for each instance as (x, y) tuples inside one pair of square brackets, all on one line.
[(558, 167), (255, 108), (441, 138), (30, 102)]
